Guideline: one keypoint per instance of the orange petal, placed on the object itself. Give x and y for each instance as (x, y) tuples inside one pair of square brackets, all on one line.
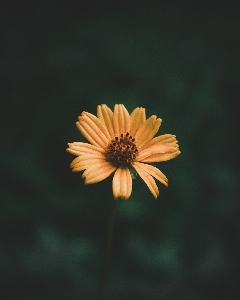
[(80, 159), (121, 120), (155, 172), (92, 132), (88, 157), (161, 157), (98, 122), (105, 114), (157, 146), (79, 148), (147, 131), (137, 118), (98, 172), (163, 139), (82, 164), (122, 184), (148, 179)]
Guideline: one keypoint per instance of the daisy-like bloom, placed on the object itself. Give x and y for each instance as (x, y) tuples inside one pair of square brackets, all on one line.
[(118, 143)]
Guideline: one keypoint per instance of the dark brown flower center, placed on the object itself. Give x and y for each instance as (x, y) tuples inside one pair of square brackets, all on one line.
[(122, 151)]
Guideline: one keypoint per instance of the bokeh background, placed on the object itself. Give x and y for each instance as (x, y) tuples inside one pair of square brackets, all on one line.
[(178, 59)]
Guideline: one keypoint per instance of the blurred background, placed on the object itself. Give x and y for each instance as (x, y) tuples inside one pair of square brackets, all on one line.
[(178, 59)]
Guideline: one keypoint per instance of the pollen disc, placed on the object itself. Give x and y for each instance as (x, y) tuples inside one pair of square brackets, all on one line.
[(122, 151)]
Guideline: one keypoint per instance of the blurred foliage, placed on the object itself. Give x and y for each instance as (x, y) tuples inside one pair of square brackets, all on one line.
[(181, 62)]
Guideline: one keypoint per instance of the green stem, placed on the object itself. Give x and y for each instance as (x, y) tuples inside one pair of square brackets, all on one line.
[(103, 278)]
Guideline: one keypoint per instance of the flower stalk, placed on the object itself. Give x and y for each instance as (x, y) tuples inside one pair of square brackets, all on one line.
[(103, 278)]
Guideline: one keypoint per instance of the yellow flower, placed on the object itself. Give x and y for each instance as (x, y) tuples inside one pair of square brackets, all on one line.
[(119, 142)]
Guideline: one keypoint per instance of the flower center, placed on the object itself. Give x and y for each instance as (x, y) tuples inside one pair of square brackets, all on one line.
[(122, 151)]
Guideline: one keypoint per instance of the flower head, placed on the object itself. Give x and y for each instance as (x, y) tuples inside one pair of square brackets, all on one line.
[(119, 142)]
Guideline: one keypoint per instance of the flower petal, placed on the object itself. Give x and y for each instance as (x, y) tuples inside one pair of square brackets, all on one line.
[(121, 120), (92, 132), (148, 179), (80, 159), (137, 118), (155, 172), (163, 139), (98, 172), (98, 122), (81, 163), (159, 145), (122, 184), (147, 131), (79, 148), (105, 114), (161, 157)]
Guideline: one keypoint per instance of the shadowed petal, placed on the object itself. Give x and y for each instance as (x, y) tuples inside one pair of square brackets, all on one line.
[(98, 172), (161, 157), (105, 114), (148, 179), (155, 172), (137, 118), (122, 184), (147, 131)]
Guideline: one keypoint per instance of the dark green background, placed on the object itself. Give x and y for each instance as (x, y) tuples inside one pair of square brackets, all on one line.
[(179, 60)]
